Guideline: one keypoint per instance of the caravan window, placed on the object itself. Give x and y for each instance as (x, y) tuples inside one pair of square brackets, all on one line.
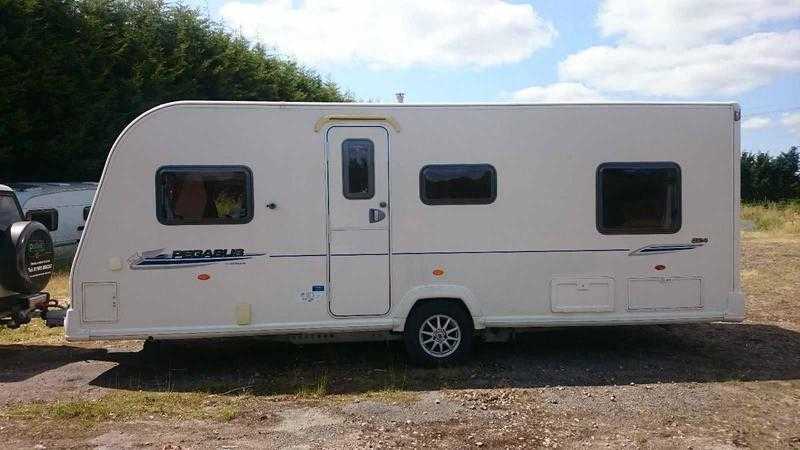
[(358, 169), (458, 184), (46, 217), (204, 195), (639, 198)]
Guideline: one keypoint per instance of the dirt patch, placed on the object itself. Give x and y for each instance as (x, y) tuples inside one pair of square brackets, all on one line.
[(700, 386)]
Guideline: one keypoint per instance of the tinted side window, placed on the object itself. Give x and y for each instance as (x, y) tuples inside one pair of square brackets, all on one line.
[(638, 198), (86, 210), (204, 195), (458, 184), (9, 211), (358, 169), (47, 217)]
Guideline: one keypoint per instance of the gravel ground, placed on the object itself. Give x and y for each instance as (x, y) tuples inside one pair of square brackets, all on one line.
[(687, 386)]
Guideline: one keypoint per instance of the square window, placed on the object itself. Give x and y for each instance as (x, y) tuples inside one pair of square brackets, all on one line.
[(639, 198)]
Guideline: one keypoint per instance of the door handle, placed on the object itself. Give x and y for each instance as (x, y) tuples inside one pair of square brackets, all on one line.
[(376, 215)]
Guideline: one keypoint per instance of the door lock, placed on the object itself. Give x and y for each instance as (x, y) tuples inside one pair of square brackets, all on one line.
[(376, 215), (383, 204)]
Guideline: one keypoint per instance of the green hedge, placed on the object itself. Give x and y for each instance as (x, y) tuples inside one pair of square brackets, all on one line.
[(768, 178), (73, 73)]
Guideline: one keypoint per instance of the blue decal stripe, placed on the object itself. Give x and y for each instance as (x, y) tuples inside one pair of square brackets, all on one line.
[(665, 249), (503, 252)]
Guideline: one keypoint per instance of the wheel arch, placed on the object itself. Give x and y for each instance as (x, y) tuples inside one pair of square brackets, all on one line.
[(434, 293)]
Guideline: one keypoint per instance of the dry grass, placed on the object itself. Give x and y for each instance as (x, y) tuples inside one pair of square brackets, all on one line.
[(770, 277), (34, 333), (317, 389), (122, 405), (59, 282), (391, 396), (774, 218)]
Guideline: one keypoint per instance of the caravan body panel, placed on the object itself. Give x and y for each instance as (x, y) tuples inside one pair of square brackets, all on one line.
[(317, 251)]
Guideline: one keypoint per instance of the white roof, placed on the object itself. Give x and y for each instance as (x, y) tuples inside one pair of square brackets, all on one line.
[(26, 190)]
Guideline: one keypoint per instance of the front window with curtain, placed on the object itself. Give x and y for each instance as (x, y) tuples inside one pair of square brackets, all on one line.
[(204, 195)]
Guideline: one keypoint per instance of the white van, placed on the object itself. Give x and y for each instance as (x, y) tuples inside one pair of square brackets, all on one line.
[(431, 222), (61, 207)]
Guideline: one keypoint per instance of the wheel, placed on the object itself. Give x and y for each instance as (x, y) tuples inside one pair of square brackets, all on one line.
[(438, 334), (26, 257)]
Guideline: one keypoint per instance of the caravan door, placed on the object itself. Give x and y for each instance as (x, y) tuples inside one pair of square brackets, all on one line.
[(358, 220)]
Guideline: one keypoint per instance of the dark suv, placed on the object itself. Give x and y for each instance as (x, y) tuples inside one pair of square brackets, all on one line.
[(26, 262)]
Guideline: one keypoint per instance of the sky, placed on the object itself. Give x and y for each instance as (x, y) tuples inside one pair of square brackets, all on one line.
[(747, 51)]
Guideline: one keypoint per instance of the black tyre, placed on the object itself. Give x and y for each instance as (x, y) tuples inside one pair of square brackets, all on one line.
[(26, 257), (438, 333)]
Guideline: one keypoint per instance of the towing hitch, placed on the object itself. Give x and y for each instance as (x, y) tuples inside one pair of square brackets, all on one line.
[(52, 312), (19, 310)]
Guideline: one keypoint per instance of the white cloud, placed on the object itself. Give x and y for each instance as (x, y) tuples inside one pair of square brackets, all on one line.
[(792, 122), (756, 123), (687, 48), (715, 69), (683, 23), (558, 92), (394, 34)]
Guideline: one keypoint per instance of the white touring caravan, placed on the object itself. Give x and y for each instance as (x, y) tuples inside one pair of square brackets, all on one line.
[(61, 207), (430, 222)]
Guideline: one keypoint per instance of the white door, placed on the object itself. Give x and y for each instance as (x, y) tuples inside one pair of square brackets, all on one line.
[(358, 220)]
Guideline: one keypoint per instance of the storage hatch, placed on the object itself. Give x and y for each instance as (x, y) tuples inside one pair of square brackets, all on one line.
[(582, 294), (100, 302), (664, 293)]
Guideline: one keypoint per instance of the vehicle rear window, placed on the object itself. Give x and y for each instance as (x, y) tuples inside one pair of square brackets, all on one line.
[(204, 195), (47, 217), (9, 211), (639, 198), (458, 184)]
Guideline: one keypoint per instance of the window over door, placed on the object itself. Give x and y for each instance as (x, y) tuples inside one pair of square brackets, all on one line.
[(458, 184), (358, 169), (639, 198), (204, 195)]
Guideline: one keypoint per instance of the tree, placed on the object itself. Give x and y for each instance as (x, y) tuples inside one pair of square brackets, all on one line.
[(75, 72), (767, 178)]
